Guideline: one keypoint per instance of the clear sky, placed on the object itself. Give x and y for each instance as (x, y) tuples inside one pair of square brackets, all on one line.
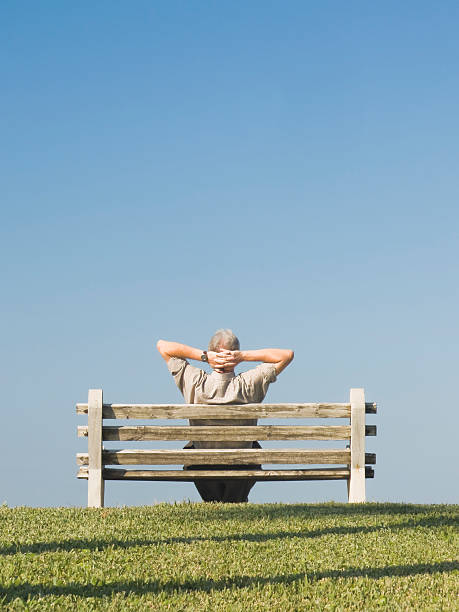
[(285, 169)]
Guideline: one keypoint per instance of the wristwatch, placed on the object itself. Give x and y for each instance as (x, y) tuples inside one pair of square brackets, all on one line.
[(204, 357)]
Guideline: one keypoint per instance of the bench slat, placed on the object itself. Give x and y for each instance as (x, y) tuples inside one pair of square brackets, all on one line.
[(259, 475), (259, 432), (224, 456), (220, 456), (190, 411), (247, 433)]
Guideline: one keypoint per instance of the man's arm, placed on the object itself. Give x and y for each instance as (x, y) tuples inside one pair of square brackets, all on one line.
[(183, 351), (279, 357), (176, 349)]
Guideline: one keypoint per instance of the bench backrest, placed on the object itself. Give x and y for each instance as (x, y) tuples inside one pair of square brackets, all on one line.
[(353, 460)]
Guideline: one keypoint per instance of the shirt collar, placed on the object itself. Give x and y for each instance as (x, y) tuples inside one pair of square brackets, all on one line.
[(223, 375)]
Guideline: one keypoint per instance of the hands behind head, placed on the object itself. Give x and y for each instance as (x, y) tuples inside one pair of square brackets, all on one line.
[(224, 360)]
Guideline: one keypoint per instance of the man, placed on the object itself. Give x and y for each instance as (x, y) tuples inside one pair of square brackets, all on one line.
[(223, 386)]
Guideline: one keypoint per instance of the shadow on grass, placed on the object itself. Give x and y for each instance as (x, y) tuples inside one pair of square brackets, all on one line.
[(251, 512), (100, 545), (282, 511), (26, 590)]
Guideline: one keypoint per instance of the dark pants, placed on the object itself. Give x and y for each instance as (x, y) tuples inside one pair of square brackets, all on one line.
[(230, 490)]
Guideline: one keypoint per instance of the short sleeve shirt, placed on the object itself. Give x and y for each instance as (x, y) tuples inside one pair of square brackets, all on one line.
[(199, 387)]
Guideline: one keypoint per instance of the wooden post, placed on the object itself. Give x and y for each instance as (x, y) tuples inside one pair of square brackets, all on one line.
[(356, 484), (95, 480)]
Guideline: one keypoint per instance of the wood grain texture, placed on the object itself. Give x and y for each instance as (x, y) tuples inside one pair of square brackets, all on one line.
[(260, 432), (138, 457), (117, 411), (245, 433), (224, 456), (212, 411), (259, 475)]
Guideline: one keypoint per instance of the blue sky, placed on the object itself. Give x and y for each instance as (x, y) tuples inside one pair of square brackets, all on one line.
[(288, 170)]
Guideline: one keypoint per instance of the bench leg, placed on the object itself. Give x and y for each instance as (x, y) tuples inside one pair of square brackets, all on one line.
[(356, 482), (95, 480), (96, 489)]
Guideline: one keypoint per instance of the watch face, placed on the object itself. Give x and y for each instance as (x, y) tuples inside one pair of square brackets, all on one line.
[(204, 357)]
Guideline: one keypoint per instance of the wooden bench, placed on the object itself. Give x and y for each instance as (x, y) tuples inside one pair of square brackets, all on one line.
[(352, 461)]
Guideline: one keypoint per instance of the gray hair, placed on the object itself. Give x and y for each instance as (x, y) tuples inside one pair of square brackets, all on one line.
[(224, 338)]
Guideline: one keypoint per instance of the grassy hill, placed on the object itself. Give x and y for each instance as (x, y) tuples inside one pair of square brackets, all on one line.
[(230, 557)]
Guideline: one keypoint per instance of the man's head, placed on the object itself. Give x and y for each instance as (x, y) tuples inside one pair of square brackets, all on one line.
[(224, 339)]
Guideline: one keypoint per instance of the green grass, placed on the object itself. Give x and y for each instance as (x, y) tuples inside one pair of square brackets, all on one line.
[(230, 557)]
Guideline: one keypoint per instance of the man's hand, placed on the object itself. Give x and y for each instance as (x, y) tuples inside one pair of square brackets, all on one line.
[(223, 361), (227, 360), (214, 361)]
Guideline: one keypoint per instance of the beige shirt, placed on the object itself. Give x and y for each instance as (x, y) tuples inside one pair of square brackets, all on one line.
[(199, 387)]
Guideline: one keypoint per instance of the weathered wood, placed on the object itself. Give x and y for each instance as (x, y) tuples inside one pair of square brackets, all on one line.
[(356, 488), (187, 411), (220, 456), (82, 458), (259, 475), (95, 481), (353, 459), (244, 411), (242, 433), (260, 432)]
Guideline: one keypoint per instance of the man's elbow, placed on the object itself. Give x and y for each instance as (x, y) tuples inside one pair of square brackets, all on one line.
[(161, 346), (287, 357)]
